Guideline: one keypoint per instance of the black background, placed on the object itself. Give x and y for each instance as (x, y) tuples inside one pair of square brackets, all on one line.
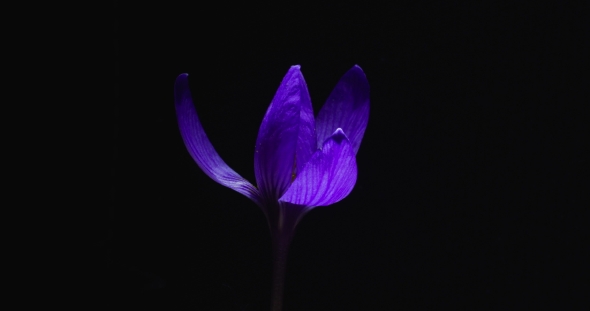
[(466, 195)]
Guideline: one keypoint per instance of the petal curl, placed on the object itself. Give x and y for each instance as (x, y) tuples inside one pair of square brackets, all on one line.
[(347, 108), (328, 177), (286, 139), (199, 146)]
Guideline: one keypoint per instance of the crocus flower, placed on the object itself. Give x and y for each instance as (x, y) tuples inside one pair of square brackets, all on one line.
[(300, 162)]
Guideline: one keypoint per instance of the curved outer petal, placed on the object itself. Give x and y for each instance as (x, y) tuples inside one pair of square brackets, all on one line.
[(328, 177), (200, 147), (347, 108), (286, 139)]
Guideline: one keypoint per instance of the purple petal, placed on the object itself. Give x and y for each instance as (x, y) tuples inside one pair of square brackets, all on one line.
[(286, 139), (347, 108), (328, 177), (200, 147)]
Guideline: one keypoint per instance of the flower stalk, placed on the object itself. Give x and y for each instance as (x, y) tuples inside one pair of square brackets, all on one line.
[(280, 249), (300, 162)]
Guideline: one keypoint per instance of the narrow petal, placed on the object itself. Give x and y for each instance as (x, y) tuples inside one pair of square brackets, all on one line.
[(200, 147), (347, 108), (328, 177), (286, 139)]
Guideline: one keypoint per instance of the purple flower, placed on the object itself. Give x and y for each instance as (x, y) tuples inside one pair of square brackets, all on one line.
[(300, 162)]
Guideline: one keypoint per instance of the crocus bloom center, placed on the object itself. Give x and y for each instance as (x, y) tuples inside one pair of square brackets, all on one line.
[(300, 162)]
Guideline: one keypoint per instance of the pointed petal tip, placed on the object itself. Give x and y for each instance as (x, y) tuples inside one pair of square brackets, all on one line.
[(294, 71), (338, 136), (358, 69), (295, 68), (182, 80)]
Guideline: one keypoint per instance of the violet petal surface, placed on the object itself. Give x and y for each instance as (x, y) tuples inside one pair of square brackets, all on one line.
[(347, 108), (328, 177), (199, 146), (286, 139)]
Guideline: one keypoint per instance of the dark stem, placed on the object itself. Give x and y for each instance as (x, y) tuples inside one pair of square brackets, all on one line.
[(280, 247), (282, 222)]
